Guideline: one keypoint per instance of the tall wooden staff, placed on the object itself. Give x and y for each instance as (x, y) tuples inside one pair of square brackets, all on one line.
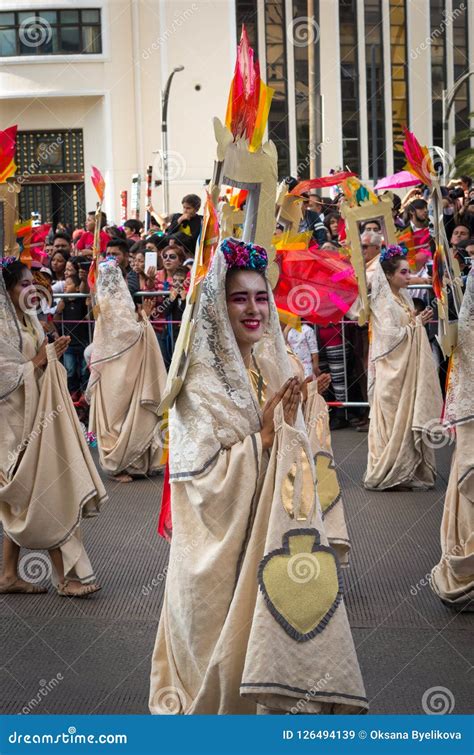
[(149, 175), (445, 266)]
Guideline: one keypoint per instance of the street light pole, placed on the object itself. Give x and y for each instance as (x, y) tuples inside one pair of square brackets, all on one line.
[(314, 100), (447, 104), (164, 136)]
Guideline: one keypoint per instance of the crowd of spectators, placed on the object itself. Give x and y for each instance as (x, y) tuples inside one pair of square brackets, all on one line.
[(155, 259), (159, 260)]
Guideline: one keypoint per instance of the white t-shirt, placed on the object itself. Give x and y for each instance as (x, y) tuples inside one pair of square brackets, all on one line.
[(303, 344), (421, 293)]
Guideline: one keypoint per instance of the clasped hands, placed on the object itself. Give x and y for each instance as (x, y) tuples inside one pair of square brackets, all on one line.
[(60, 345), (426, 316), (290, 395)]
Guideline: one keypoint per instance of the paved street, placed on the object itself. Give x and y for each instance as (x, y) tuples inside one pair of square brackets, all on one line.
[(93, 656)]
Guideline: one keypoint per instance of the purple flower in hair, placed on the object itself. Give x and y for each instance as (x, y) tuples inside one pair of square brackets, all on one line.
[(393, 250), (6, 261), (244, 256)]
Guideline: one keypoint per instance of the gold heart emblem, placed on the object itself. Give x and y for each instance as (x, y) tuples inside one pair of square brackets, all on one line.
[(301, 583), (327, 484)]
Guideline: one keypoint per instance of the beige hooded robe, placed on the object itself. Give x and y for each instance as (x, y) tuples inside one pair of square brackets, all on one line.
[(253, 616), (48, 480), (404, 393), (127, 380), (453, 578)]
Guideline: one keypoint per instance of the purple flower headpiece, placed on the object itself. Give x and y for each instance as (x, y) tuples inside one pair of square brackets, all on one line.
[(109, 261), (244, 256), (8, 261), (393, 250)]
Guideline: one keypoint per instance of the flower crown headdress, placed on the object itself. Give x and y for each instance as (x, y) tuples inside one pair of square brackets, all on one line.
[(6, 261), (238, 254), (393, 250), (109, 261)]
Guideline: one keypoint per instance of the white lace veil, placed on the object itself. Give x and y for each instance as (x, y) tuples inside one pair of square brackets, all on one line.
[(117, 328), (387, 322), (12, 359), (460, 395), (216, 406)]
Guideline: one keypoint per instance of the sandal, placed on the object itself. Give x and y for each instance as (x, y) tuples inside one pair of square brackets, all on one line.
[(84, 592), (21, 586)]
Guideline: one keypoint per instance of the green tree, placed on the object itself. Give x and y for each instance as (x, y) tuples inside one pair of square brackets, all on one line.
[(464, 160)]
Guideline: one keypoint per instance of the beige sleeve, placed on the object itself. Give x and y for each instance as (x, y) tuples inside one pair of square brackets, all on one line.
[(224, 493)]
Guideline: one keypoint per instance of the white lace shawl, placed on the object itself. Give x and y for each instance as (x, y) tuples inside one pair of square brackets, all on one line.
[(460, 395), (216, 406), (387, 321), (12, 359), (117, 328)]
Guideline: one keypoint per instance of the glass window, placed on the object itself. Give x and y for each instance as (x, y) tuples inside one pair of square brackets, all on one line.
[(438, 66), (399, 71), (247, 14), (7, 19), (49, 15), (26, 16), (7, 43), (50, 32), (375, 88), (90, 39), (28, 43), (461, 66), (90, 16), (349, 85), (71, 39), (50, 44), (69, 16), (275, 29)]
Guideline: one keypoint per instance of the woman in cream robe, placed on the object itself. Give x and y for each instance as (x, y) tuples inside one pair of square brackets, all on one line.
[(404, 392), (453, 578), (316, 418), (126, 383), (253, 618), (48, 480)]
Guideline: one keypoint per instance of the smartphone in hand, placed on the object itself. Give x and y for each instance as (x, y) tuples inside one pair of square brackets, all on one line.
[(151, 260)]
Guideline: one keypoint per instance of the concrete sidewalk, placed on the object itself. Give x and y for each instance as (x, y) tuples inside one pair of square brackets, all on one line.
[(69, 656)]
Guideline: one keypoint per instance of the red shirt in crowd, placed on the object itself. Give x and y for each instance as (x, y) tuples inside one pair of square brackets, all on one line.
[(87, 241)]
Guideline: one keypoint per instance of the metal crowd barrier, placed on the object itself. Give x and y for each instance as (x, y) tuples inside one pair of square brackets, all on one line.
[(90, 321), (346, 404)]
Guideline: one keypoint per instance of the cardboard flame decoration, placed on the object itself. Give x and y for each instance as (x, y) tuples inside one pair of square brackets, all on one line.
[(419, 161), (98, 183), (249, 98), (7, 153), (9, 190)]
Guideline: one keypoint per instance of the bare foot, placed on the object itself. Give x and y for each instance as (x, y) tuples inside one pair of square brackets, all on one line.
[(75, 589), (17, 585), (123, 477)]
